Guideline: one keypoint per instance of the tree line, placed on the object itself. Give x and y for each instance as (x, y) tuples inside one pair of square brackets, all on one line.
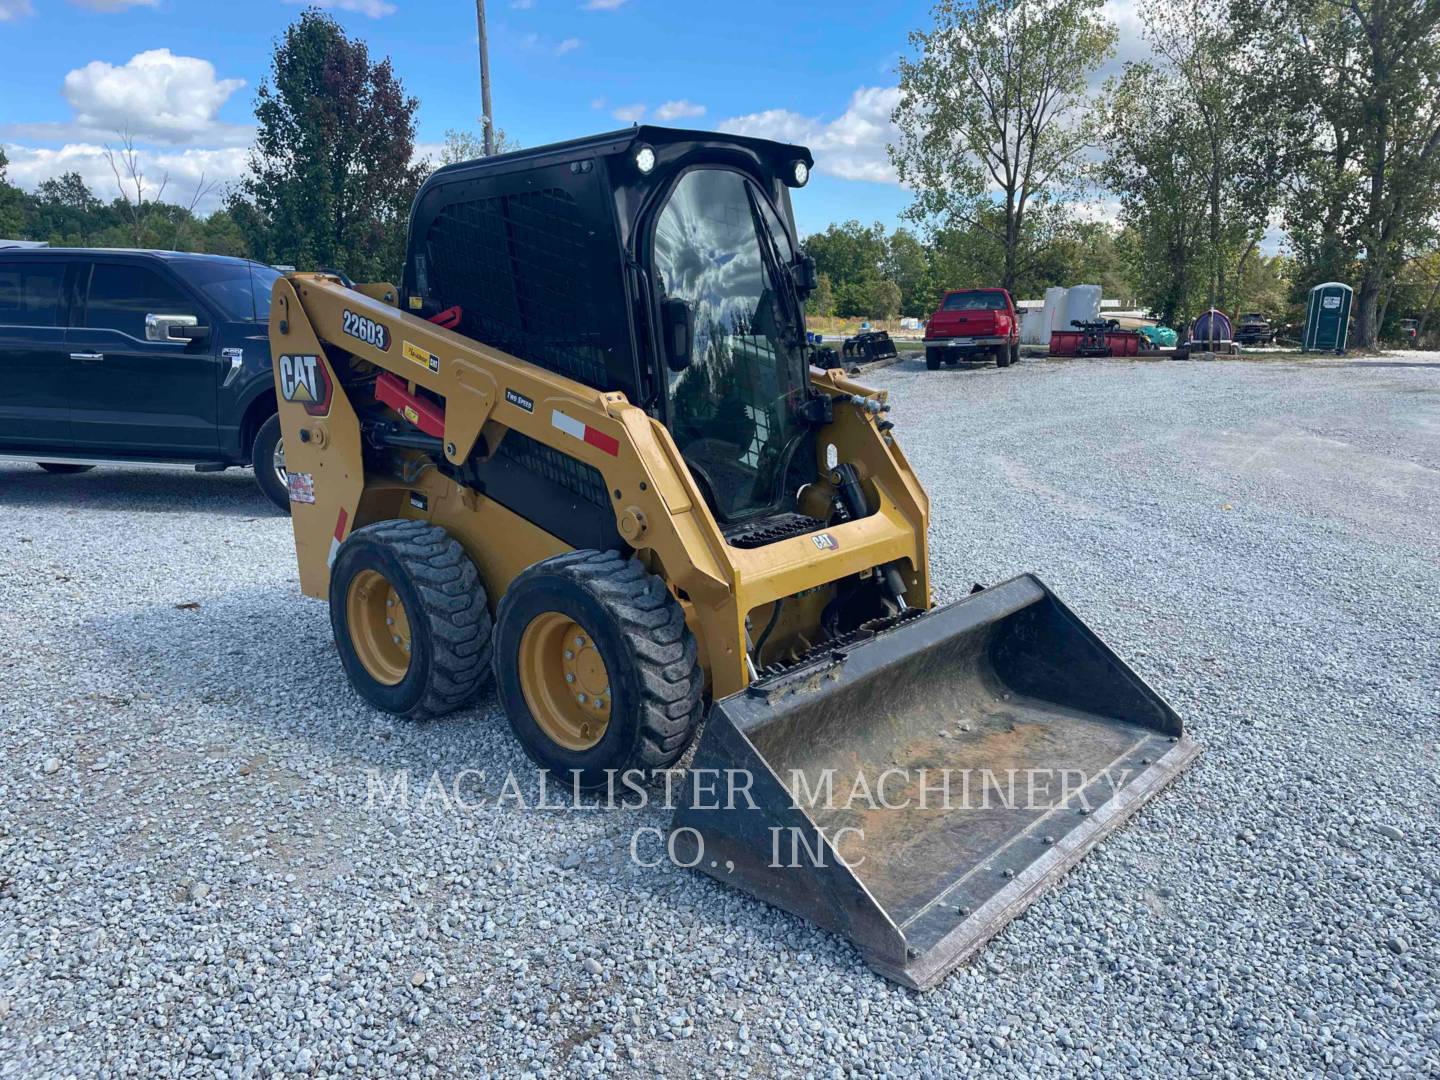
[(1320, 116), (1167, 184)]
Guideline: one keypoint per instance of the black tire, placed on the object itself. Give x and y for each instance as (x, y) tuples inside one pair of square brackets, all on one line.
[(932, 359), (638, 628), (1015, 353), (445, 604), (263, 456), (1001, 356), (60, 468)]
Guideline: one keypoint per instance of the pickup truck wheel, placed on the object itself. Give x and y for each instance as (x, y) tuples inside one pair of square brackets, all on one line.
[(932, 359), (1002, 356), (62, 469), (1015, 353), (268, 457)]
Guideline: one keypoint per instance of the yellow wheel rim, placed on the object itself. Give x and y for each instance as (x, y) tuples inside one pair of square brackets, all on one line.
[(565, 681), (379, 627)]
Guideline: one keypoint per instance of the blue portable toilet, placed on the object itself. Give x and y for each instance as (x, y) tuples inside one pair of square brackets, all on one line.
[(1327, 318)]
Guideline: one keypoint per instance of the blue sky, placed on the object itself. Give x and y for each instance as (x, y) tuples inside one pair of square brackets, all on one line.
[(182, 75)]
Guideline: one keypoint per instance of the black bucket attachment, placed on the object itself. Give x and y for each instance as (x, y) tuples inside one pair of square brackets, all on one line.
[(917, 789)]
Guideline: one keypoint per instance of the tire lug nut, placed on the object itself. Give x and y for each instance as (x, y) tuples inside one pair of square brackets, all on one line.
[(580, 698), (569, 655), (579, 642), (569, 676), (395, 638)]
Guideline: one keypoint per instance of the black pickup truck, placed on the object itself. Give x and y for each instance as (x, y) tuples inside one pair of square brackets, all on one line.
[(138, 356)]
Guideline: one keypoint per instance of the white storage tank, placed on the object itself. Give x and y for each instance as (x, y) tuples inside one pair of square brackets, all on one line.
[(1054, 311), (1082, 304), (1034, 330)]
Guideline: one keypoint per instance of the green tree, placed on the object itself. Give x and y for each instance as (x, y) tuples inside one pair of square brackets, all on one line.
[(470, 145), (331, 177), (12, 203), (849, 252), (1150, 129), (67, 211), (907, 264), (1365, 77), (821, 302), (990, 115)]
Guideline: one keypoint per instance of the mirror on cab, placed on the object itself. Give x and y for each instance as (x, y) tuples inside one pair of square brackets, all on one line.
[(806, 279), (183, 328), (677, 328)]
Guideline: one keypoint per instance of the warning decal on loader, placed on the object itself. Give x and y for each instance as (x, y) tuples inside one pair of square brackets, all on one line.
[(302, 487)]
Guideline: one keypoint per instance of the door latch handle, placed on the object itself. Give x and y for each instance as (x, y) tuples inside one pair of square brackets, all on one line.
[(88, 357)]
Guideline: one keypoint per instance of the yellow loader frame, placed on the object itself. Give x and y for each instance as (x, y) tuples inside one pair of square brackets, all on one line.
[(658, 508)]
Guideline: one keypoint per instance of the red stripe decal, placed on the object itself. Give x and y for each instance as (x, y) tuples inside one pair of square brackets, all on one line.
[(601, 441), (340, 525)]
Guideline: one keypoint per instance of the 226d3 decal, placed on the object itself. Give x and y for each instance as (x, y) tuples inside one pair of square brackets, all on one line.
[(369, 331)]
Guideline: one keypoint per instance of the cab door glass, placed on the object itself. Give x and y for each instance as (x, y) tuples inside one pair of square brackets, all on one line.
[(30, 295), (121, 296)]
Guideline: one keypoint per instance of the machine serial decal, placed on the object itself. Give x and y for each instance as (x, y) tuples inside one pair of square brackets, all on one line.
[(302, 487), (300, 379), (424, 357), (419, 501), (825, 542), (369, 331), (519, 400), (410, 414)]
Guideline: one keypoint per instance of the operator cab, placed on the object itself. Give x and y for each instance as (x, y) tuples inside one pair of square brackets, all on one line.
[(663, 264)]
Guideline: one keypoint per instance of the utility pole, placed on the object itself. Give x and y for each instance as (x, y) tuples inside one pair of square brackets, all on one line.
[(488, 120)]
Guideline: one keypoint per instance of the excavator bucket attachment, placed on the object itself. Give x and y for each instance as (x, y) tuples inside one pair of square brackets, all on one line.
[(917, 787)]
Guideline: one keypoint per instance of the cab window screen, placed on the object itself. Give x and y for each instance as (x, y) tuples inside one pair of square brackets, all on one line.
[(30, 295), (121, 296)]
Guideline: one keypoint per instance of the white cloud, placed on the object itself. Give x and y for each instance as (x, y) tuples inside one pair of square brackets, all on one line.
[(603, 5), (852, 146), (155, 95), (630, 114), (679, 110), (29, 166), (375, 9), (1131, 46), (15, 9), (597, 103), (114, 5), (522, 5), (570, 44)]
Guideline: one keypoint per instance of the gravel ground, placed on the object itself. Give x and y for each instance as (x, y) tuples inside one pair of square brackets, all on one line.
[(191, 882)]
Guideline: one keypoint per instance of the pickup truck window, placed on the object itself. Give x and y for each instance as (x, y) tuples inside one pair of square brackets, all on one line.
[(30, 294), (974, 301), (240, 290), (121, 296)]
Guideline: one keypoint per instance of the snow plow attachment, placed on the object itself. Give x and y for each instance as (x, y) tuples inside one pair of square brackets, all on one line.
[(916, 789)]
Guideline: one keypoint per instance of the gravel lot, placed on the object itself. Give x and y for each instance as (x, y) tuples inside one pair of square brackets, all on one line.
[(191, 882)]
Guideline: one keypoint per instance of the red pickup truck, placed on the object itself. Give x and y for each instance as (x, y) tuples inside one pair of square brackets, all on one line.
[(973, 324)]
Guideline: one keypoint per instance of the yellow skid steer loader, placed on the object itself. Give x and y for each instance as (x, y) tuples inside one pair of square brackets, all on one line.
[(581, 447)]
